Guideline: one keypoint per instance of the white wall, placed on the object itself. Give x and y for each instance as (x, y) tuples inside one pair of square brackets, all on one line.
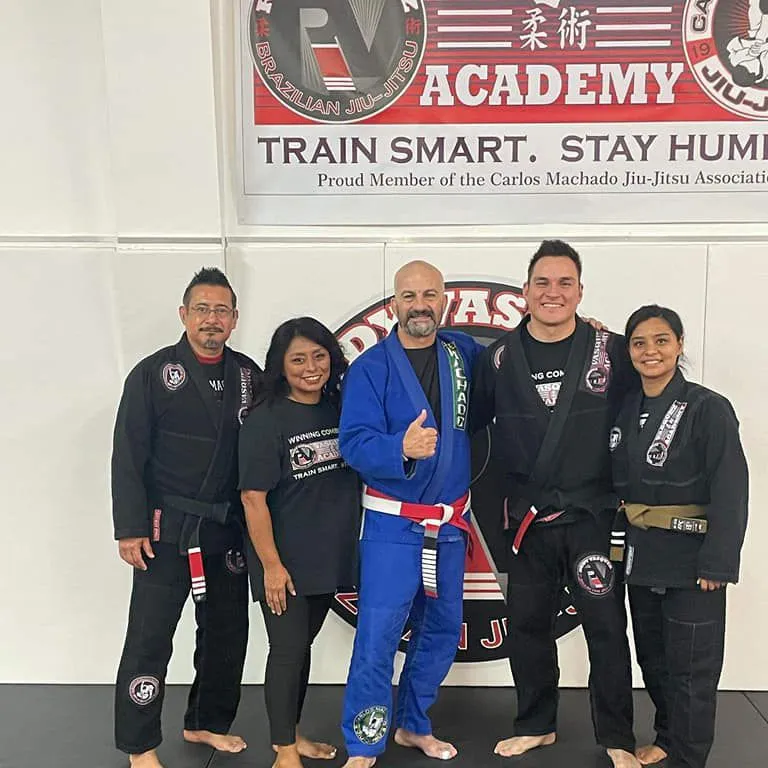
[(116, 184)]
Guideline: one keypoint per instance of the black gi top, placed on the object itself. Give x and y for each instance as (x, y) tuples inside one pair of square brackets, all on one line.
[(688, 452), (291, 450), (176, 435), (556, 459)]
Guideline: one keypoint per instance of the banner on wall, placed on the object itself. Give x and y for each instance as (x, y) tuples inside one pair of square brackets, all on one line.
[(502, 111), (485, 310)]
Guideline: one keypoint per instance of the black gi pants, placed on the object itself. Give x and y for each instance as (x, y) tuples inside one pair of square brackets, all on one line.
[(573, 554), (680, 642), (157, 599), (290, 642)]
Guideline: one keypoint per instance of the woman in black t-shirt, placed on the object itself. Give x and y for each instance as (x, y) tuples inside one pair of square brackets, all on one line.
[(302, 507)]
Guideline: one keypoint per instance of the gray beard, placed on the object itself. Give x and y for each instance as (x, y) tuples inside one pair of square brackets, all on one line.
[(211, 343), (420, 331)]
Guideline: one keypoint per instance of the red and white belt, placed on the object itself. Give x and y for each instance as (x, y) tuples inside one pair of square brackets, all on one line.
[(431, 517)]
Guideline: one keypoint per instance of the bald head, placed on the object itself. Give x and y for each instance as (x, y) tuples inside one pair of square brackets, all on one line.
[(418, 303), (421, 271)]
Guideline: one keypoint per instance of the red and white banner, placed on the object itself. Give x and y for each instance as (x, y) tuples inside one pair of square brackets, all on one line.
[(502, 111)]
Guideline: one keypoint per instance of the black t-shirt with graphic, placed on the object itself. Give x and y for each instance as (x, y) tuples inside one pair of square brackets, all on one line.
[(547, 363), (291, 450), (424, 362), (213, 368)]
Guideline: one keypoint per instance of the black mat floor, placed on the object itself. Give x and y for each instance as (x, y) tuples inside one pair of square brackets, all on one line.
[(46, 726)]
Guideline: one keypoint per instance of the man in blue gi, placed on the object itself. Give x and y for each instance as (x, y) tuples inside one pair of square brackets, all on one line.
[(404, 429)]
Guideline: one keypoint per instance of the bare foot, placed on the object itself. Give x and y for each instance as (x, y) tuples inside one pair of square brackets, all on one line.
[(650, 754), (623, 759), (519, 745), (316, 750), (145, 760), (223, 742), (359, 762), (428, 744), (287, 757)]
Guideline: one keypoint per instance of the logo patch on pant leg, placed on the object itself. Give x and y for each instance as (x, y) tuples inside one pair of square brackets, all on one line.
[(235, 562), (144, 690), (595, 574), (371, 724)]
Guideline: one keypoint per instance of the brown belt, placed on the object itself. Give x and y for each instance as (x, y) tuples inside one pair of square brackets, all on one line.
[(683, 518)]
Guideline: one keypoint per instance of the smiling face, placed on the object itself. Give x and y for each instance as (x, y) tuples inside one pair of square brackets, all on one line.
[(553, 291), (307, 368), (209, 318), (655, 349), (419, 301)]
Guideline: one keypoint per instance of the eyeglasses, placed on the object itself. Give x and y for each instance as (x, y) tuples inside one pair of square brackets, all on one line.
[(203, 310)]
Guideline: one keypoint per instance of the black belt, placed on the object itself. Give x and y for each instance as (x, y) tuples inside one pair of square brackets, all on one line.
[(195, 512)]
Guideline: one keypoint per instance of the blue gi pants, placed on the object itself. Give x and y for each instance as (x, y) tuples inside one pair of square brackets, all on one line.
[(390, 591)]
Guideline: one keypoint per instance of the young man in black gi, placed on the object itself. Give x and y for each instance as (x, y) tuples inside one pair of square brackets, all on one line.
[(178, 521), (554, 385)]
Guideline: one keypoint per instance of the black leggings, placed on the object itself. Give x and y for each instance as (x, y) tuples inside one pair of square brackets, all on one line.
[(290, 642)]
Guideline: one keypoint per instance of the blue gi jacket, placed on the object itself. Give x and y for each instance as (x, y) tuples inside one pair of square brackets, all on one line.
[(381, 397)]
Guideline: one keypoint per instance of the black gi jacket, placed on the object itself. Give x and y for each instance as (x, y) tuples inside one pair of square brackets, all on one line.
[(174, 438), (683, 455), (556, 460)]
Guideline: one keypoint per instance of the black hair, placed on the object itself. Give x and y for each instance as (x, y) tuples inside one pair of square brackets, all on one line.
[(650, 311), (555, 248), (273, 383), (208, 276)]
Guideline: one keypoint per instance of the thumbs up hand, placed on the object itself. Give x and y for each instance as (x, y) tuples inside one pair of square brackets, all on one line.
[(419, 442)]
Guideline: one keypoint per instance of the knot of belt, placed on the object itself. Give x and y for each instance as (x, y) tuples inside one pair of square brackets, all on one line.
[(431, 517)]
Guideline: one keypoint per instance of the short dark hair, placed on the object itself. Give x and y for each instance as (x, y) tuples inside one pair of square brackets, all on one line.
[(208, 276), (273, 382), (648, 312), (555, 248)]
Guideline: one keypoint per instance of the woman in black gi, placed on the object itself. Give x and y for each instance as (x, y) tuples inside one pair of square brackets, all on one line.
[(302, 507), (680, 470)]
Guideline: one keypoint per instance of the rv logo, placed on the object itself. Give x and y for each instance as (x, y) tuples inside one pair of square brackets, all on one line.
[(486, 311), (337, 61)]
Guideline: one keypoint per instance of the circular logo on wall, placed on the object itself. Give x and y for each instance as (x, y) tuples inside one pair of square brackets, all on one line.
[(726, 44), (485, 310), (337, 61), (144, 690)]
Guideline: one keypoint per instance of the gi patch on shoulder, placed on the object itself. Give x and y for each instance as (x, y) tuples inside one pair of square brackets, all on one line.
[(498, 356), (370, 725), (174, 376), (235, 562), (614, 439), (144, 690), (594, 574)]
